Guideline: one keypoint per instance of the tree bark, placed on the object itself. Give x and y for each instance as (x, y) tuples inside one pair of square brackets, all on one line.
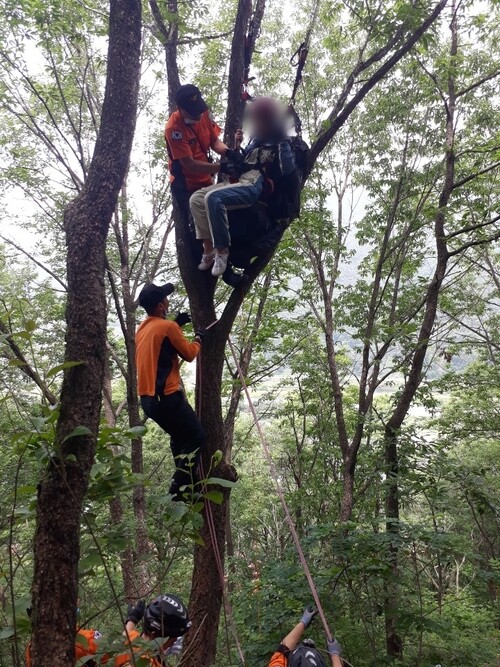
[(62, 490)]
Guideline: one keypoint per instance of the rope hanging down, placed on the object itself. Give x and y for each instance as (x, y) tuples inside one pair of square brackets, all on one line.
[(298, 60), (228, 611), (250, 39), (274, 475)]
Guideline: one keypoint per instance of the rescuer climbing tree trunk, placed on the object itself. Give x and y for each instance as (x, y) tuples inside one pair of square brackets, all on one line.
[(62, 489), (206, 594)]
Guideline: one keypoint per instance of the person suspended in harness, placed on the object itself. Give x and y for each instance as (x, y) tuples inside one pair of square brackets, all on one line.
[(266, 164), (293, 653), (159, 344), (165, 621), (190, 134)]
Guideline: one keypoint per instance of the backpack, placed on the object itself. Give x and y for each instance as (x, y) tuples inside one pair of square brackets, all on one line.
[(306, 656), (300, 152)]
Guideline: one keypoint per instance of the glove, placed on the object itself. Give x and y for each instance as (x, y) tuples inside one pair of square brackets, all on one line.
[(229, 168), (232, 155), (201, 335), (182, 319), (334, 648), (308, 615), (135, 612), (238, 137)]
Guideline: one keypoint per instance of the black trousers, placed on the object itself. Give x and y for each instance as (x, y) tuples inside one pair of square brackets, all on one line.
[(176, 417), (186, 234)]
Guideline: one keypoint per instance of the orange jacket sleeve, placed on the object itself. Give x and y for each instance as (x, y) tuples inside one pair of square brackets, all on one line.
[(278, 660), (184, 347), (215, 132)]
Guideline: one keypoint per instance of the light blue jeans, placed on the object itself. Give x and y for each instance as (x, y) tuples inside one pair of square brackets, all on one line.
[(210, 205)]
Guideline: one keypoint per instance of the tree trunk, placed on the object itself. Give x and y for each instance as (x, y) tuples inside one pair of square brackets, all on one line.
[(62, 490), (207, 583), (394, 642)]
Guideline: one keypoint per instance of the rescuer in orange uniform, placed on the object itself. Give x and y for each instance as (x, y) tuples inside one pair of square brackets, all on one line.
[(191, 134), (166, 618), (292, 653), (159, 344)]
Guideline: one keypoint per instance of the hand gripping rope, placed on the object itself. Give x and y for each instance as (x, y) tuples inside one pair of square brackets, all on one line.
[(274, 475)]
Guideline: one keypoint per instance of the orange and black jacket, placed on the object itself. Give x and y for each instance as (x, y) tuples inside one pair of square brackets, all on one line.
[(159, 344), (280, 657)]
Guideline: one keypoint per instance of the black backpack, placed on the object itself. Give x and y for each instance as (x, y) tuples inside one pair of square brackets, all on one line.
[(306, 656), (301, 152)]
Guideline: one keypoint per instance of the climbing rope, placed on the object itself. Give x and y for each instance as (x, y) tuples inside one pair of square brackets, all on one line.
[(228, 610), (274, 475), (250, 39), (298, 60)]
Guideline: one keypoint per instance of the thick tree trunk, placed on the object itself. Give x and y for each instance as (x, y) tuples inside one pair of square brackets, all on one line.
[(347, 502), (63, 487), (207, 583)]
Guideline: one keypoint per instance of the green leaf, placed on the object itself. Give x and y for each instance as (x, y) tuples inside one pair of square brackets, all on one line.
[(6, 633), (221, 482), (78, 431), (215, 496), (17, 362), (136, 431), (61, 367)]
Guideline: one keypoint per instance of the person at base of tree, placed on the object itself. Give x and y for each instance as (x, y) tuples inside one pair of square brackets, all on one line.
[(86, 644), (165, 619), (159, 344), (190, 134), (266, 160), (292, 653)]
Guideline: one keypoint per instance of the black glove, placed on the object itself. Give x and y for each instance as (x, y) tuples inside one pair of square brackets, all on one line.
[(183, 319), (308, 615), (229, 168), (135, 612), (201, 335), (232, 155)]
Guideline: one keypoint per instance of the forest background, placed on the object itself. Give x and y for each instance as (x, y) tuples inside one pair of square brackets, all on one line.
[(370, 340)]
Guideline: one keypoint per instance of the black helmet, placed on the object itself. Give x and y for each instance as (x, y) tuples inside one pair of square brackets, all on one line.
[(306, 655), (166, 616)]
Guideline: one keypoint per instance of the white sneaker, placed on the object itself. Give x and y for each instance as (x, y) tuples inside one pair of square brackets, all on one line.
[(206, 261), (220, 264)]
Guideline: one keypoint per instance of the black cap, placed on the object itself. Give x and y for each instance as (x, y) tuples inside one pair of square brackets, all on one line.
[(189, 98), (151, 295)]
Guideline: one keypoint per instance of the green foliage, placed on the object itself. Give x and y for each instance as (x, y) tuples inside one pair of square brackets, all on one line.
[(353, 270)]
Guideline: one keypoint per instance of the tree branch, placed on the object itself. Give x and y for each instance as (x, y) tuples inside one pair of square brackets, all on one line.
[(472, 244), (26, 367), (336, 120), (35, 261), (466, 230), (471, 177), (476, 84)]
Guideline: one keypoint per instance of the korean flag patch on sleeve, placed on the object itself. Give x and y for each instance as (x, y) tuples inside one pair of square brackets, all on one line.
[(176, 135)]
